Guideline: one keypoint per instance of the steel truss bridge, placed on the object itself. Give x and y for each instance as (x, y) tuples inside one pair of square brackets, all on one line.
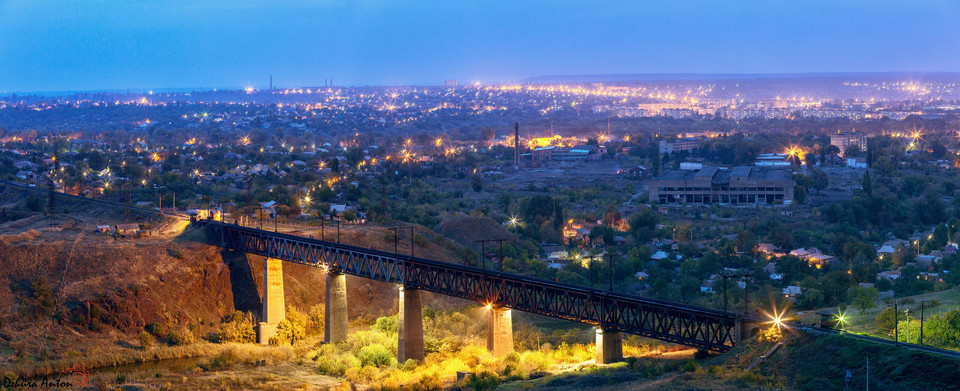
[(677, 323)]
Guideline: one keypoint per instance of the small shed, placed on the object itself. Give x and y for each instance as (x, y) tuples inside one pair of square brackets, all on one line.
[(126, 229)]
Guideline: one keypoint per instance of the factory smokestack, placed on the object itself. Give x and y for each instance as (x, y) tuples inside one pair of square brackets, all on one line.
[(516, 145)]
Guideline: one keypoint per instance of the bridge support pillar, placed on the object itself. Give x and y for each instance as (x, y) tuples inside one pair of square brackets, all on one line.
[(500, 331), (609, 346), (745, 330), (410, 336), (335, 317), (273, 306)]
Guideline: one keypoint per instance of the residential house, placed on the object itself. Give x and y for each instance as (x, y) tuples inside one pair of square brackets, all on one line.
[(792, 291), (707, 285), (126, 229), (889, 274), (768, 250), (658, 256)]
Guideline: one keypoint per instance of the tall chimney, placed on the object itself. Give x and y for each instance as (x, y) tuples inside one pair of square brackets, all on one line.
[(516, 145)]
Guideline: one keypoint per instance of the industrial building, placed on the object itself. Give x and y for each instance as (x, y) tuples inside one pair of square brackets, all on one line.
[(712, 185), (849, 139)]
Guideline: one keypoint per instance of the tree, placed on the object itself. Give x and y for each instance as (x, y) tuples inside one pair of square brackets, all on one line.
[(684, 231), (349, 215), (557, 215), (828, 150), (334, 165), (799, 194), (744, 242), (866, 184), (643, 225), (885, 319), (537, 209), (852, 151), (819, 180), (489, 134), (863, 297), (655, 165), (810, 298), (611, 216), (602, 231), (477, 183)]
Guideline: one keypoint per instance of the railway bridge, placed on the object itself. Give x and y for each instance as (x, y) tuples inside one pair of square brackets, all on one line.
[(610, 312)]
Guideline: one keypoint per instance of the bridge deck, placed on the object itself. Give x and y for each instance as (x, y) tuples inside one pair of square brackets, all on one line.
[(664, 320)]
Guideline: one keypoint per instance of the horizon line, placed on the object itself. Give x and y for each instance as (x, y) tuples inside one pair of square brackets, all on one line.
[(538, 79)]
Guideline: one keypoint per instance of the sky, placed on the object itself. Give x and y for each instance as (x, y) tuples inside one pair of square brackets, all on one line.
[(61, 45)]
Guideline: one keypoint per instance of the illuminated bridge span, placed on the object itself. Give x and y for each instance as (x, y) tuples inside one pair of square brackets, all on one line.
[(611, 312)]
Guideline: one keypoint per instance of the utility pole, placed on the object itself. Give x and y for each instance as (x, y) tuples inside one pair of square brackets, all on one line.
[(593, 270), (396, 238), (896, 323), (483, 247), (610, 270), (921, 322)]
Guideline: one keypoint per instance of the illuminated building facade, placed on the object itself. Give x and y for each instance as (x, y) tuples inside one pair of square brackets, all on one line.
[(848, 139)]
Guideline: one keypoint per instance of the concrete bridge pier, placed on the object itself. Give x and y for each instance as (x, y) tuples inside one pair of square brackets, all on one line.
[(410, 335), (609, 347), (273, 306), (500, 331), (745, 330), (335, 316)]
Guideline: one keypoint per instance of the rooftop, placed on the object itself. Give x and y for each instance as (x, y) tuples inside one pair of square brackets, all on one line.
[(721, 175)]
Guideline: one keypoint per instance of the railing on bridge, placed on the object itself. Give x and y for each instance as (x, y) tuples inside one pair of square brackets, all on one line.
[(663, 320)]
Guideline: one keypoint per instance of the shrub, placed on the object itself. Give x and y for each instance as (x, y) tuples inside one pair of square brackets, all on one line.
[(483, 381), (287, 333), (146, 340), (420, 240), (158, 330), (332, 362), (375, 355), (180, 337), (237, 328), (315, 320), (885, 319), (409, 365), (387, 325), (690, 366)]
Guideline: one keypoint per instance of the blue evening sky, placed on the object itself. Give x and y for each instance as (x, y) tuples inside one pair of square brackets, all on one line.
[(58, 45)]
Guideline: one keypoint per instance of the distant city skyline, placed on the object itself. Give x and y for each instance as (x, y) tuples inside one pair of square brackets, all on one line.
[(112, 45)]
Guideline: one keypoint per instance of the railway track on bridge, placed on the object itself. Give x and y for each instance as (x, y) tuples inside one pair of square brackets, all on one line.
[(682, 324)]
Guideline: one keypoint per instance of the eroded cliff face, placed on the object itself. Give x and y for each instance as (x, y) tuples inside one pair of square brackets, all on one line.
[(69, 292), (61, 295)]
